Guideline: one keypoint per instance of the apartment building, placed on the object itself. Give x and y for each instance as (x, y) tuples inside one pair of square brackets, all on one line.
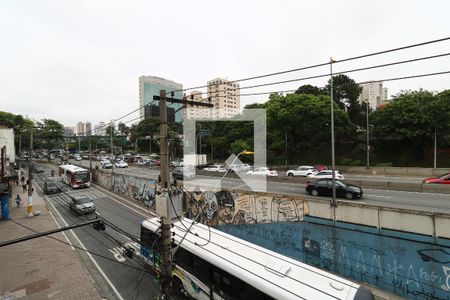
[(374, 93), (225, 96)]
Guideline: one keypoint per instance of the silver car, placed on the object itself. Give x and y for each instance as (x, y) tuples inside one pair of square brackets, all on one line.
[(82, 205)]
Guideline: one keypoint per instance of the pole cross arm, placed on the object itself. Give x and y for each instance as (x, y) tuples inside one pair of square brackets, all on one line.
[(185, 102)]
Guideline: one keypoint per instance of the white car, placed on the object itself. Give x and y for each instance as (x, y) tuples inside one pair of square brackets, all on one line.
[(240, 168), (327, 174), (106, 164), (301, 171), (77, 157), (121, 164), (215, 168), (263, 171)]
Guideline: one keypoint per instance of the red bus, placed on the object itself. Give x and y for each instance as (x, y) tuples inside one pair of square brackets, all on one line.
[(74, 176)]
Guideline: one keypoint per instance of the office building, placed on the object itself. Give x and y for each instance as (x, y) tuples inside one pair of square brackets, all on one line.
[(83, 129), (198, 112), (100, 128), (150, 86), (69, 131), (374, 93), (225, 96)]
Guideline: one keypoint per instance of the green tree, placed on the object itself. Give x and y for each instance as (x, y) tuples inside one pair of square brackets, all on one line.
[(123, 129), (414, 116), (238, 146), (346, 92), (311, 90), (49, 133)]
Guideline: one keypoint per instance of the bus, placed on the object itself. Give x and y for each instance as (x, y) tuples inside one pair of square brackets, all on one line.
[(74, 176), (211, 264)]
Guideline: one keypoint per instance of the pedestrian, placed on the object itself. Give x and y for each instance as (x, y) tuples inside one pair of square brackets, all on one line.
[(24, 186), (18, 200)]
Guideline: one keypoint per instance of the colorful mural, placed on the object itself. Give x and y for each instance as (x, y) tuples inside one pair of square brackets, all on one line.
[(411, 269)]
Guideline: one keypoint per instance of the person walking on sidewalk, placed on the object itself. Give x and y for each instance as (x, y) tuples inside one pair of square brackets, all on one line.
[(24, 187), (18, 201)]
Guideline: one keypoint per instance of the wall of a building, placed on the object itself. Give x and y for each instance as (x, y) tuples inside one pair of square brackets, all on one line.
[(7, 139)]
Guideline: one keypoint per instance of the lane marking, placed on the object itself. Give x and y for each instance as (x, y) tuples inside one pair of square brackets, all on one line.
[(119, 202), (378, 196), (90, 256)]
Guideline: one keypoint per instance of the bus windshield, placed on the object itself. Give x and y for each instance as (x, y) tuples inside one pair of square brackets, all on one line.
[(82, 176)]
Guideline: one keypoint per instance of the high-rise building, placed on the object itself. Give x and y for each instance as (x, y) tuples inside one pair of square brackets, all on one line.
[(374, 93), (88, 128), (225, 96), (198, 112), (100, 128), (80, 129), (150, 86)]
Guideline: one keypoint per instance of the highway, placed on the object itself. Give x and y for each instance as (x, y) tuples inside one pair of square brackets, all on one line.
[(422, 201), (115, 276)]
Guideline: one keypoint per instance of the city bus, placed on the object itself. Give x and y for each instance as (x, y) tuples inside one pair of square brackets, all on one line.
[(211, 264), (74, 176)]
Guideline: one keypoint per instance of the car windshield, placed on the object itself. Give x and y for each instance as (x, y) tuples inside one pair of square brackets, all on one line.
[(443, 177), (82, 201)]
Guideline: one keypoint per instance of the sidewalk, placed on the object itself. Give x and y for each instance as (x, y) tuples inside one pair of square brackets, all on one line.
[(40, 268)]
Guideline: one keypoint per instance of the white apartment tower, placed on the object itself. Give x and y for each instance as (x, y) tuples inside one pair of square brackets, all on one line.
[(197, 112), (225, 96), (374, 93)]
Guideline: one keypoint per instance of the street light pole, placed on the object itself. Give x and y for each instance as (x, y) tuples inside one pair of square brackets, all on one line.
[(30, 178), (333, 176), (435, 149), (368, 140), (111, 131)]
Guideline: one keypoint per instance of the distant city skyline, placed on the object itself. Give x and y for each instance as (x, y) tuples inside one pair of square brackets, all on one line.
[(74, 62)]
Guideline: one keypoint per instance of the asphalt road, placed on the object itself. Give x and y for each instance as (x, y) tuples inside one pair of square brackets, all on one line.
[(427, 202), (116, 276)]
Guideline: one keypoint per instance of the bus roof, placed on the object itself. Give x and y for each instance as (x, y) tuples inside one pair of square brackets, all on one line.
[(72, 168), (274, 274)]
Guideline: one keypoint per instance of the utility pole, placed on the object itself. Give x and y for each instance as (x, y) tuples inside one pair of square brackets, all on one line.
[(435, 149), (368, 140), (90, 156), (111, 131), (30, 177), (166, 268), (166, 216), (333, 175)]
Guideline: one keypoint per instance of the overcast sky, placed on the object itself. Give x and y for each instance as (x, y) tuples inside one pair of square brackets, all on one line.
[(80, 60)]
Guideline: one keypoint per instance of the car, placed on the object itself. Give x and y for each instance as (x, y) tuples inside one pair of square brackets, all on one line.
[(320, 168), (301, 171), (240, 168), (326, 174), (215, 168), (183, 173), (121, 164), (85, 156), (51, 187), (443, 179), (323, 187), (37, 169), (263, 171), (82, 205), (77, 157), (106, 164)]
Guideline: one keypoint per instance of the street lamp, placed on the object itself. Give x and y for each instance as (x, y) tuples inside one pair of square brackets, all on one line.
[(333, 176), (367, 131), (245, 152)]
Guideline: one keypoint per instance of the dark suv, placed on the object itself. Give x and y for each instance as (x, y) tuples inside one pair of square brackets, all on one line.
[(51, 187), (323, 187)]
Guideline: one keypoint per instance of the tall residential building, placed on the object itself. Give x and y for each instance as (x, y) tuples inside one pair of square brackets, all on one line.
[(150, 86), (100, 128), (225, 95), (83, 129), (374, 93), (197, 112)]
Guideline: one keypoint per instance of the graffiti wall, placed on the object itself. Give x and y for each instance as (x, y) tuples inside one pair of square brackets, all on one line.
[(229, 207), (141, 189), (411, 269)]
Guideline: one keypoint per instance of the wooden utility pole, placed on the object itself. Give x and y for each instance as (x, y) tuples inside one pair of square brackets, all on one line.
[(166, 218)]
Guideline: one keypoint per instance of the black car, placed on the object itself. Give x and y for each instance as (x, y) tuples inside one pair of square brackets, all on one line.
[(183, 173), (37, 169), (323, 187), (51, 187)]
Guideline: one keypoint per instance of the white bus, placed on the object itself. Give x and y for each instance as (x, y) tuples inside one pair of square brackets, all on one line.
[(210, 264), (74, 176)]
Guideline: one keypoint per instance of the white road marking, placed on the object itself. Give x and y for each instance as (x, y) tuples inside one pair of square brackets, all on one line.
[(378, 196), (90, 256)]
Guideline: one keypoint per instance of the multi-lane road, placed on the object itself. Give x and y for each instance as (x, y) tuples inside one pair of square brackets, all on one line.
[(422, 201), (116, 276)]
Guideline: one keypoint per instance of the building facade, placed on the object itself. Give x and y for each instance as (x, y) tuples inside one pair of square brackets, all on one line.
[(198, 112), (83, 129), (150, 86), (69, 131), (373, 93), (225, 96), (100, 128)]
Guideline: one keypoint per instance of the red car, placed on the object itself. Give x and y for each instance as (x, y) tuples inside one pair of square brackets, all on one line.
[(443, 179), (320, 168)]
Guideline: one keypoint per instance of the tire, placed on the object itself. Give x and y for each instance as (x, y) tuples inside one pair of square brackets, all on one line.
[(349, 196), (307, 174), (315, 192), (177, 286), (290, 174)]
